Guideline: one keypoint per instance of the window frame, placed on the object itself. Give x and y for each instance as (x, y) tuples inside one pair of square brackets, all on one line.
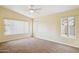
[(68, 33), (17, 21)]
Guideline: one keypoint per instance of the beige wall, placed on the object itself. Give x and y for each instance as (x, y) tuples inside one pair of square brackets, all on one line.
[(6, 13), (48, 27)]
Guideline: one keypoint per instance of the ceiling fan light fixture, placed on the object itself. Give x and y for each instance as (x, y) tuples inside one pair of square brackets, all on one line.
[(32, 11)]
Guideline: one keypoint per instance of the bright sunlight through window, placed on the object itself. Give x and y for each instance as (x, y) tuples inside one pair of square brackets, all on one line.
[(16, 27)]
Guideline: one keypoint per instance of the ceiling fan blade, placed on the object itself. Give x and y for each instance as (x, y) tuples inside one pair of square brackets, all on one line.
[(37, 9), (33, 9), (31, 6)]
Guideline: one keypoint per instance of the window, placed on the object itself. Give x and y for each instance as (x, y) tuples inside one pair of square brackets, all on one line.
[(16, 27), (71, 27), (64, 26), (68, 26)]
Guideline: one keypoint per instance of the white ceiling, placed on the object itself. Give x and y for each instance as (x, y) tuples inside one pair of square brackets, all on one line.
[(45, 9)]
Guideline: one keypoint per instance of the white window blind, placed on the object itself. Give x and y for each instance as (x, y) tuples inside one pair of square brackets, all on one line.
[(16, 27)]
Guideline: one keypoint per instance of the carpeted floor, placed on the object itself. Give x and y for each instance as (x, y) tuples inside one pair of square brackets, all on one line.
[(33, 45)]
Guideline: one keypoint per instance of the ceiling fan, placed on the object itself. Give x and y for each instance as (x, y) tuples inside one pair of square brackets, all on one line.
[(33, 9)]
